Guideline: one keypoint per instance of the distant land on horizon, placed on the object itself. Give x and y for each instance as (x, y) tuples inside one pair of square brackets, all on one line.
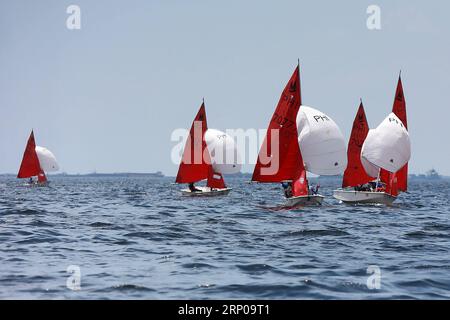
[(430, 175)]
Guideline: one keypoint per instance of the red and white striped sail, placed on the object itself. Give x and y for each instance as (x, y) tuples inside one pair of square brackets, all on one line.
[(354, 173)]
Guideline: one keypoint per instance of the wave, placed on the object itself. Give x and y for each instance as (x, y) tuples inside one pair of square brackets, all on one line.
[(311, 233), (21, 212)]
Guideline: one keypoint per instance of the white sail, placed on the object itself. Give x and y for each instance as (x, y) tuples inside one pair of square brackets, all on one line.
[(371, 170), (224, 155), (387, 146), (46, 159), (321, 142)]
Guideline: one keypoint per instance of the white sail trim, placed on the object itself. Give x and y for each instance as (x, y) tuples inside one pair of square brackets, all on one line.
[(388, 146), (321, 142), (46, 159)]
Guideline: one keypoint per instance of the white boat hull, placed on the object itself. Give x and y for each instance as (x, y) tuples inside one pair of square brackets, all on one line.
[(37, 184), (351, 196), (205, 191), (304, 200)]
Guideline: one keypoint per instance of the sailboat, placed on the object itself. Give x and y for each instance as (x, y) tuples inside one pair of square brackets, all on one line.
[(206, 155), (36, 162), (365, 182), (355, 175), (322, 145), (385, 148), (298, 139)]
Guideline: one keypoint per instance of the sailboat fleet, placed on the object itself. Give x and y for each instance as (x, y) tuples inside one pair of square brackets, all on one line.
[(299, 139), (302, 139)]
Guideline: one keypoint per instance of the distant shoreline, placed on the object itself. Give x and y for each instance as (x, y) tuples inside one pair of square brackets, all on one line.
[(159, 174), (117, 174)]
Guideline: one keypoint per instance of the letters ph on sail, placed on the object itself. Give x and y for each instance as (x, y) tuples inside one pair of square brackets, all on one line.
[(321, 142)]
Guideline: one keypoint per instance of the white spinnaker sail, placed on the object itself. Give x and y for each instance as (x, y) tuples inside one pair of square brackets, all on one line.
[(46, 159), (225, 157), (370, 169), (387, 146), (321, 142)]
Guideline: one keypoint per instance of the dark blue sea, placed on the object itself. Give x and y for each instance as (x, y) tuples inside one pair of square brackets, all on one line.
[(138, 238)]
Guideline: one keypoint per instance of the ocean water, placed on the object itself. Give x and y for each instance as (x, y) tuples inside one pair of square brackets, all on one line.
[(138, 238)]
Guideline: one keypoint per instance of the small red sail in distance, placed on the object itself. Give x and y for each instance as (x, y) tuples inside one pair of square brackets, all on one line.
[(399, 109), (194, 167), (30, 165), (280, 158), (355, 174)]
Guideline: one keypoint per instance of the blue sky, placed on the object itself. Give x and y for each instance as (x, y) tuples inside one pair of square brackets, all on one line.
[(107, 97)]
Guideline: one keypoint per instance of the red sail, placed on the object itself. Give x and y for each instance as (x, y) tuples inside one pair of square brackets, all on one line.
[(399, 109), (195, 163), (42, 178), (392, 185), (279, 158), (354, 173), (30, 166), (300, 185), (215, 179)]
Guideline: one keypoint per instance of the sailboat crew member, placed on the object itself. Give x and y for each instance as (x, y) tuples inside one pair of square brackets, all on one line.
[(314, 190), (192, 188), (287, 187)]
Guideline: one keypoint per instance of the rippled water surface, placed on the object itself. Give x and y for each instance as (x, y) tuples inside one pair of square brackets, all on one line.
[(139, 238)]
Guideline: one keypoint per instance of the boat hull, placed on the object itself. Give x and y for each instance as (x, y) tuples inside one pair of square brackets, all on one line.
[(206, 192), (37, 184), (311, 200), (351, 196)]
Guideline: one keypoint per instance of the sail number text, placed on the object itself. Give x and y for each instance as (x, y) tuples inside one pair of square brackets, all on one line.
[(282, 121)]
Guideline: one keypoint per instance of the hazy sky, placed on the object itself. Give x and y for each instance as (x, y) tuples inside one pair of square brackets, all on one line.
[(107, 97)]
